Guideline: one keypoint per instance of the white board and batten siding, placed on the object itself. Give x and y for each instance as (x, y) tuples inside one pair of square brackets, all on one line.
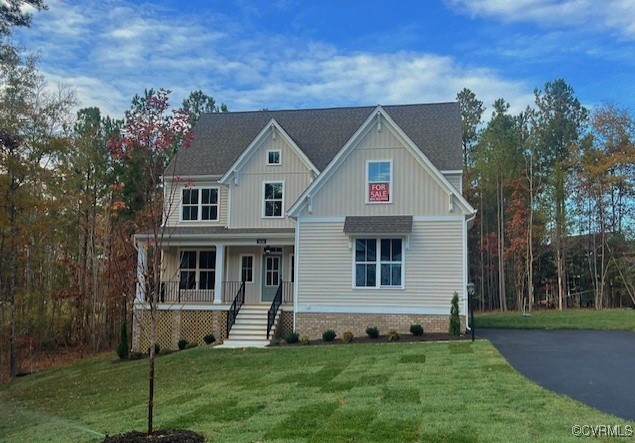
[(433, 269), (414, 190), (174, 198), (247, 195)]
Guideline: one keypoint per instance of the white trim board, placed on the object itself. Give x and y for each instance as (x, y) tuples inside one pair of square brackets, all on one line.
[(357, 309), (274, 128)]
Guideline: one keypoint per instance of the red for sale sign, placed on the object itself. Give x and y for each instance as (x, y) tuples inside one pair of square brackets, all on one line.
[(378, 192)]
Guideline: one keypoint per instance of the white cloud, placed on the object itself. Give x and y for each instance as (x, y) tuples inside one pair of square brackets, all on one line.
[(116, 50), (615, 15)]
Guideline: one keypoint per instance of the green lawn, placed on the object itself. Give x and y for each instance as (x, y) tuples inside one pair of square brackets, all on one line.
[(613, 319), (430, 392)]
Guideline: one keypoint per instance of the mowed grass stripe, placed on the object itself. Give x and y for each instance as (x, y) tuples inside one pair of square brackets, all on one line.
[(397, 392)]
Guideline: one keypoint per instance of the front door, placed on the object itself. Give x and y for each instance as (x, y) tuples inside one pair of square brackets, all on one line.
[(271, 268)]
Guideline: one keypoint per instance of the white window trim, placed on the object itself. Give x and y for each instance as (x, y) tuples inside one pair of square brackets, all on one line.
[(253, 267), (279, 151), (200, 204), (390, 187), (378, 263), (265, 183), (197, 270)]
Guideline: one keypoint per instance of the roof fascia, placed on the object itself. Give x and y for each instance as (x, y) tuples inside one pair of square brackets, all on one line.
[(257, 142), (425, 161)]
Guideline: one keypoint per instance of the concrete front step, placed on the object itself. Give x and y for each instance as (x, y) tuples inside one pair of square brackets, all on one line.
[(233, 344)]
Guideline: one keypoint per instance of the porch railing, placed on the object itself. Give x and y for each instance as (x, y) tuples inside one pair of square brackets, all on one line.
[(287, 292), (273, 310), (230, 289), (171, 292), (239, 299)]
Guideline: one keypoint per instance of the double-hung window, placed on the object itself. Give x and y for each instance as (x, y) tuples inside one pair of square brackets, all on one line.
[(378, 262), (379, 181), (197, 270), (273, 199), (199, 204)]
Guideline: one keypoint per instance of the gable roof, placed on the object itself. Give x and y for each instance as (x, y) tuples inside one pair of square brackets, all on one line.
[(220, 138), (378, 117)]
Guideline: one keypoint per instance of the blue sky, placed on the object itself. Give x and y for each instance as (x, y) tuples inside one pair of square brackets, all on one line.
[(297, 54)]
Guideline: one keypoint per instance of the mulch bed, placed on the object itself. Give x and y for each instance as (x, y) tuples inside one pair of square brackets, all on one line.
[(403, 338), (160, 436)]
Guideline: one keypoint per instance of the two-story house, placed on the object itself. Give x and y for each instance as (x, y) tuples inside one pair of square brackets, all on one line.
[(310, 220)]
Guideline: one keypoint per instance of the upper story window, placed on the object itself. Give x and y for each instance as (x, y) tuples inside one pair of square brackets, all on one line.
[(199, 204), (273, 201), (379, 181), (274, 157)]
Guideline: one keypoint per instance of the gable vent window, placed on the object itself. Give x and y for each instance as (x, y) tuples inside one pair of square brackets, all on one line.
[(199, 204), (274, 157)]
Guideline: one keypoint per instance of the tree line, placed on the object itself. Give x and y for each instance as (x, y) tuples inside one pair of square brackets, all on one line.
[(554, 186), (71, 200)]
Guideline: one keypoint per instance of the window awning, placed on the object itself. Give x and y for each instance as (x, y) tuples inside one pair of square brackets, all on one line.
[(389, 224)]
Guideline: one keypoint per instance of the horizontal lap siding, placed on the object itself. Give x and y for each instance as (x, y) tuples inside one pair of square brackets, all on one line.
[(173, 196), (433, 268)]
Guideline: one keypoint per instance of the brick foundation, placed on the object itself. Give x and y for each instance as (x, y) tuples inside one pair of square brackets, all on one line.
[(314, 324)]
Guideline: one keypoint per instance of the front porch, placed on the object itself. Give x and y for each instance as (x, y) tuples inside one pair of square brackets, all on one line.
[(219, 275)]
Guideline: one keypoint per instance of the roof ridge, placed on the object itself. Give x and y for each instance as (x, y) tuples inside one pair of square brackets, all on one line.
[(332, 108)]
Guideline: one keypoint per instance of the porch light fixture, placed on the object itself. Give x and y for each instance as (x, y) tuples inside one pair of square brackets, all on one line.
[(471, 301), (267, 250)]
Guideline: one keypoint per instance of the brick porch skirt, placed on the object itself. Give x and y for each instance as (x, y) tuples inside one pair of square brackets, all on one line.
[(314, 324)]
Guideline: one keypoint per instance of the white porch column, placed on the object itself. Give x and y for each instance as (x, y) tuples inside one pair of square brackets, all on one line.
[(219, 272), (142, 270)]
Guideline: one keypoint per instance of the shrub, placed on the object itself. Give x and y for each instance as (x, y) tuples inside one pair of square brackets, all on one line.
[(209, 339), (393, 335), (372, 331), (182, 344), (455, 320), (305, 339), (347, 337), (416, 330), (329, 335), (122, 349), (292, 337)]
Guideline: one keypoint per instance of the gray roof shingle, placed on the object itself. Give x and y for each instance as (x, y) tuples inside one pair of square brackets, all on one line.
[(391, 224), (220, 138)]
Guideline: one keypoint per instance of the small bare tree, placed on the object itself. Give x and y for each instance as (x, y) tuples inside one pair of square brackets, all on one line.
[(150, 137)]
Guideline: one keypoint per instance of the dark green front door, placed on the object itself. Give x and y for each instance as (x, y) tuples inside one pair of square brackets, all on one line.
[(271, 269)]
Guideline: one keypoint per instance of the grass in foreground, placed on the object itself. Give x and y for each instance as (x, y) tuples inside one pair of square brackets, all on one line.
[(607, 319), (432, 392)]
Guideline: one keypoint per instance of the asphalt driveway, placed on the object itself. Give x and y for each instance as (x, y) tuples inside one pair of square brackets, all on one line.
[(594, 367)]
